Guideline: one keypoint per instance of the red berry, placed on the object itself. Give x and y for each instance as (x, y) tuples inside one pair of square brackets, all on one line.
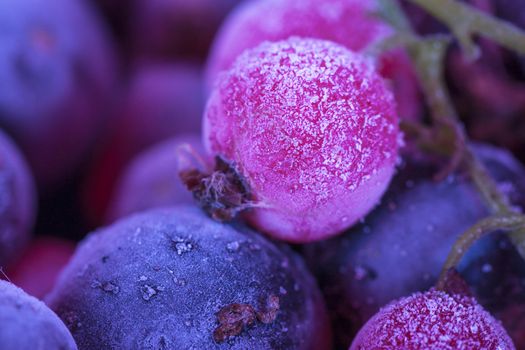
[(36, 271), (433, 320), (351, 23), (313, 130)]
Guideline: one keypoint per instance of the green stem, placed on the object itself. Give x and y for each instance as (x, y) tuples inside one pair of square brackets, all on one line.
[(469, 237), (428, 55), (495, 200), (466, 21)]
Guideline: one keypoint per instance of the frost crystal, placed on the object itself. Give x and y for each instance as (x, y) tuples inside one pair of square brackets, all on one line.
[(433, 320)]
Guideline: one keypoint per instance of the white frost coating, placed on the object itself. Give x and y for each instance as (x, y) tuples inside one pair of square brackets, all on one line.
[(305, 120), (433, 320)]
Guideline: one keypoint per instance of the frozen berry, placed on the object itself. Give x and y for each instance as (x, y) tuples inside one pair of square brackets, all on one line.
[(311, 128), (433, 321), (351, 23), (161, 101), (175, 279), (401, 246), (150, 180), (18, 201), (169, 28), (28, 324), (55, 81), (38, 267)]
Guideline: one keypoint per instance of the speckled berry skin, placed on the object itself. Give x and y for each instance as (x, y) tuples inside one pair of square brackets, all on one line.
[(157, 280), (28, 324), (433, 320), (150, 179), (18, 198), (350, 23), (312, 128), (55, 82)]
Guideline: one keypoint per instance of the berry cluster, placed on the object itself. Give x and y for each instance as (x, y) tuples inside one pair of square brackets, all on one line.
[(243, 172)]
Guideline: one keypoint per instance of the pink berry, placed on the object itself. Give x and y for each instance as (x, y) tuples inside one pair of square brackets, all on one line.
[(312, 128), (433, 320), (351, 23)]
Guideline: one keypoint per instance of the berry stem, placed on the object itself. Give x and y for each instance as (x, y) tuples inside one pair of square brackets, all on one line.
[(465, 21), (447, 133), (468, 238)]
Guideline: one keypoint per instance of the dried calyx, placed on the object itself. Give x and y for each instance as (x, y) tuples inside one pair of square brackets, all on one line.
[(222, 191)]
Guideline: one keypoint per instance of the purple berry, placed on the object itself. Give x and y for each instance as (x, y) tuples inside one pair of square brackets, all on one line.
[(151, 181), (175, 279), (18, 201), (160, 101), (28, 324), (54, 81), (402, 245)]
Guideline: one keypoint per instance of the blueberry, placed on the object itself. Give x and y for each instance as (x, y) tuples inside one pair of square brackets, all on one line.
[(28, 324), (175, 279), (17, 201)]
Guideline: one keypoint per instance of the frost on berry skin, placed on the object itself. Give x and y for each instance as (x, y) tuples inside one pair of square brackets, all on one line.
[(312, 128), (17, 201), (433, 320), (150, 180), (350, 23), (27, 323), (55, 82), (175, 279), (401, 246)]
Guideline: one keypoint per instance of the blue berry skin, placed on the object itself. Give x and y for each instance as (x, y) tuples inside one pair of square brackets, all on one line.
[(28, 324), (157, 280)]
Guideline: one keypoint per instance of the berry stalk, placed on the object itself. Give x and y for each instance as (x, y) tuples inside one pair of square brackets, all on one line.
[(428, 56), (483, 227), (466, 21)]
